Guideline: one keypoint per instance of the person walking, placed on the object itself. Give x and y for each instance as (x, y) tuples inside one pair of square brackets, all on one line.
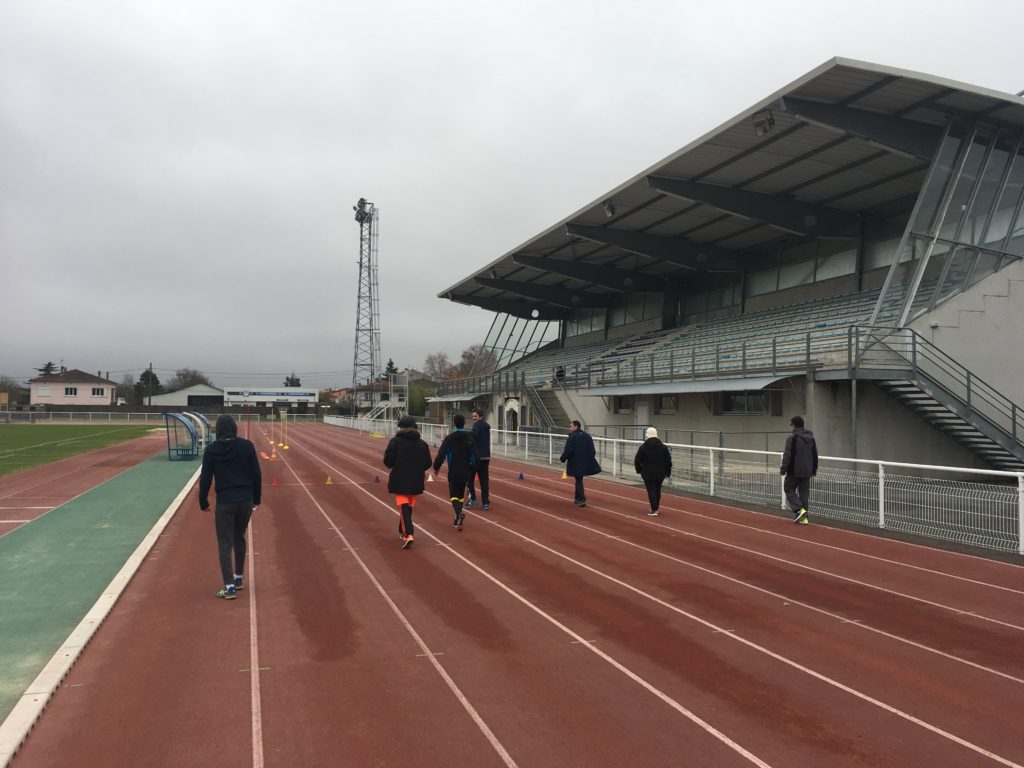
[(580, 459), (653, 462), (799, 465), (481, 432), (408, 457), (459, 451), (231, 465)]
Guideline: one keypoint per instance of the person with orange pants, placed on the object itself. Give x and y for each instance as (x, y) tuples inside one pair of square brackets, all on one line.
[(408, 457)]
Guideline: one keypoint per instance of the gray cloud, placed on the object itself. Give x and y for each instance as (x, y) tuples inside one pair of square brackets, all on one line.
[(176, 179)]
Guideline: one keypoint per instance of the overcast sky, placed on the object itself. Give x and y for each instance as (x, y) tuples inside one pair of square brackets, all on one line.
[(177, 178)]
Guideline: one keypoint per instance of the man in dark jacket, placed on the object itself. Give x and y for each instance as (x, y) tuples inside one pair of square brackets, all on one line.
[(459, 451), (653, 462), (231, 462), (580, 459), (408, 457), (799, 465), (481, 432)]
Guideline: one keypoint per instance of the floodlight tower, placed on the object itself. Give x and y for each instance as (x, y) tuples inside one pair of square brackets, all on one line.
[(366, 362)]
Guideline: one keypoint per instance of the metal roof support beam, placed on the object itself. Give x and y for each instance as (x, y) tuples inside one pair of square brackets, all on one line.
[(783, 213), (894, 133), (511, 307), (683, 253), (552, 294), (612, 278)]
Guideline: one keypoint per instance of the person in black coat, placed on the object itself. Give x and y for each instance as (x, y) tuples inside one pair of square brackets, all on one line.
[(459, 451), (580, 459), (799, 465), (408, 457), (482, 437), (653, 462)]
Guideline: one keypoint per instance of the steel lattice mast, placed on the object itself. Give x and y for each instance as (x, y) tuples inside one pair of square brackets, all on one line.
[(366, 362)]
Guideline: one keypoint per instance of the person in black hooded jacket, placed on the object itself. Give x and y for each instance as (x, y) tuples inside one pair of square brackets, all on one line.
[(653, 462), (230, 462), (408, 457), (799, 465), (459, 450)]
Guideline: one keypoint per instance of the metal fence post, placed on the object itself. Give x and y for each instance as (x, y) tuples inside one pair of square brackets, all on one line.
[(711, 466), (881, 496), (551, 449), (1020, 514), (615, 456)]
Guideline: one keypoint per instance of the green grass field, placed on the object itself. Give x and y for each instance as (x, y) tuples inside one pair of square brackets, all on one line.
[(29, 445)]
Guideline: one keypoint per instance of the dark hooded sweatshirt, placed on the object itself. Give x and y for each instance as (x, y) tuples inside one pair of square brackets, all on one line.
[(408, 457), (459, 450), (801, 455), (232, 461), (653, 460)]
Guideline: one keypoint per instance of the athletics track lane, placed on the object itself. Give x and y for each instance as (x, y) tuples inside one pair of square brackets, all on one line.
[(342, 676), (29, 493)]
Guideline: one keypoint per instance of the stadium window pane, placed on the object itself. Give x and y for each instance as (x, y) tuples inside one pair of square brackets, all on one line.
[(962, 192), (941, 177), (1007, 204), (836, 265), (974, 227), (762, 282), (796, 274)]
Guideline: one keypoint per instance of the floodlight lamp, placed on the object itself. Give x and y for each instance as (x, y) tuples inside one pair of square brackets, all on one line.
[(764, 122), (609, 208)]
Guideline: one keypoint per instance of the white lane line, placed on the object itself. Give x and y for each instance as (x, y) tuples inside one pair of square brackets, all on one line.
[(750, 644), (793, 563), (761, 649), (254, 657), (785, 598), (426, 652), (703, 724), (682, 531), (822, 545)]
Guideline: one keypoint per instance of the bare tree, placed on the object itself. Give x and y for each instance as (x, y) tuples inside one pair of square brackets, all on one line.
[(12, 387), (186, 377), (126, 389), (437, 366), (476, 361)]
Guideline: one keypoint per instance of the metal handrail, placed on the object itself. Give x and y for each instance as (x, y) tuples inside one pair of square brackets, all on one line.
[(975, 396)]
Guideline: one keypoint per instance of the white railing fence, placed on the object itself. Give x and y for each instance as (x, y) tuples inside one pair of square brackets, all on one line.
[(983, 508)]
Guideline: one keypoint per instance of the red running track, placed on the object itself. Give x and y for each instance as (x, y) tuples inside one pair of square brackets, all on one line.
[(542, 635)]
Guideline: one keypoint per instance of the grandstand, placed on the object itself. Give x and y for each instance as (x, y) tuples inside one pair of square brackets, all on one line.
[(848, 248)]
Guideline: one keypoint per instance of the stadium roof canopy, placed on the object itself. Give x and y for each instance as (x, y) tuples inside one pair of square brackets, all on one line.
[(847, 139)]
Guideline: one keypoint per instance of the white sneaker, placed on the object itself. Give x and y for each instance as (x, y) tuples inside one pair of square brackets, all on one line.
[(653, 513)]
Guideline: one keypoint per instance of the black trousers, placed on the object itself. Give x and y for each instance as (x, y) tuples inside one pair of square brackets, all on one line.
[(482, 469), (457, 489), (231, 521), (653, 485), (798, 492), (579, 489)]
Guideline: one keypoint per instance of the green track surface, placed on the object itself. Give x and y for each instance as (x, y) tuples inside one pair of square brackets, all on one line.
[(53, 569), (31, 445)]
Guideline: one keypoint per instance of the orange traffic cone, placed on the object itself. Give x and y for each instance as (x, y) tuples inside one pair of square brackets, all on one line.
[(565, 475)]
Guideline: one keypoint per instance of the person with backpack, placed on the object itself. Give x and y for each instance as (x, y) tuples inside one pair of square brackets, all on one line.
[(459, 452), (408, 457)]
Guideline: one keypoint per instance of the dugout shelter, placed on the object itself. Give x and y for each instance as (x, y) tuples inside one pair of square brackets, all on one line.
[(848, 248)]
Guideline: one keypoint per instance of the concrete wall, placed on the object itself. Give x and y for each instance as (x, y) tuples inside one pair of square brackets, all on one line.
[(979, 330)]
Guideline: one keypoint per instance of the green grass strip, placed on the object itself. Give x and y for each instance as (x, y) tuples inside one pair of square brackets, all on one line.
[(53, 569), (32, 445)]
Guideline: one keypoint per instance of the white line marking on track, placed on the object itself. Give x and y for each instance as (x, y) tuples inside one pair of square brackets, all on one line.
[(254, 664), (750, 644), (783, 560), (456, 691), (822, 545), (706, 726)]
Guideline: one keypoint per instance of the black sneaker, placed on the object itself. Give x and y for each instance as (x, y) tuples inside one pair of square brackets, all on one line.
[(458, 521), (581, 502)]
